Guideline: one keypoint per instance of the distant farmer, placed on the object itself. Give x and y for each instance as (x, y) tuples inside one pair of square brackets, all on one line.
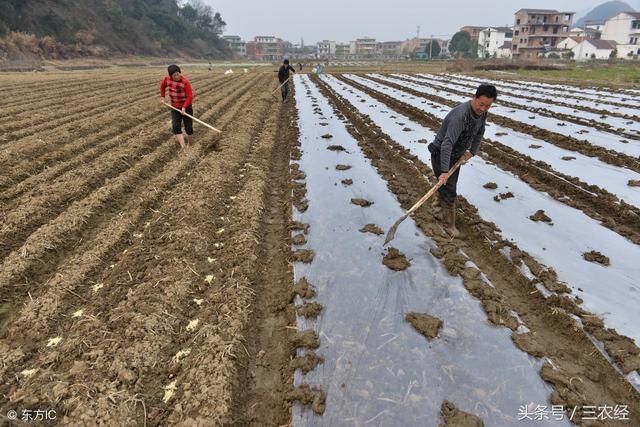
[(283, 75), (299, 66), (181, 95), (459, 137)]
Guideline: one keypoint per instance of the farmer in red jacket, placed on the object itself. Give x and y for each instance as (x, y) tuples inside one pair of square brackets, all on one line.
[(181, 96)]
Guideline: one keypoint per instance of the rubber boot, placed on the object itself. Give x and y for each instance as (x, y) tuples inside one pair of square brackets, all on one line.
[(436, 207), (449, 219)]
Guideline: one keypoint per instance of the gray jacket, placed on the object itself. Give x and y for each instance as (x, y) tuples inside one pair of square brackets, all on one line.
[(461, 130)]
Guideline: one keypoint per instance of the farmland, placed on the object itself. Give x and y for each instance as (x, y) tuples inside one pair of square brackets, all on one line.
[(244, 280)]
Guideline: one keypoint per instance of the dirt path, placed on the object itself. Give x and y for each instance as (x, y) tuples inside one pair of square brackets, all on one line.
[(266, 381)]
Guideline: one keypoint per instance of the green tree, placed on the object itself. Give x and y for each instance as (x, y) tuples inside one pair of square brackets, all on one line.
[(460, 44)]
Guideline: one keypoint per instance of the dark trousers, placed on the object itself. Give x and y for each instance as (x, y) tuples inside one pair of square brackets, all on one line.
[(284, 90), (447, 193), (177, 119)]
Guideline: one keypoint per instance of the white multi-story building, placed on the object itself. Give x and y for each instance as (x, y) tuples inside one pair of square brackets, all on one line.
[(343, 51), (237, 46), (624, 29), (492, 39), (326, 49), (366, 47)]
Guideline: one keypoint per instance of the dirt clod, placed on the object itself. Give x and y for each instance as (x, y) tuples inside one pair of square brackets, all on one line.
[(343, 167), (299, 239), (540, 216), (306, 363), (299, 226), (361, 202), (454, 417), (308, 395), (306, 339), (303, 289), (372, 228), (503, 196), (634, 183), (303, 255), (396, 260), (567, 158), (336, 148), (427, 325), (597, 257), (327, 136), (310, 310), (347, 181), (490, 185)]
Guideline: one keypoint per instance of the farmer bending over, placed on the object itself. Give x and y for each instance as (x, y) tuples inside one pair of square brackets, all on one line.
[(459, 137), (181, 95), (283, 75)]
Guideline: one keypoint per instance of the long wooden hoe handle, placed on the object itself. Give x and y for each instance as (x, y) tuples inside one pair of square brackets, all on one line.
[(189, 115), (283, 83), (392, 231)]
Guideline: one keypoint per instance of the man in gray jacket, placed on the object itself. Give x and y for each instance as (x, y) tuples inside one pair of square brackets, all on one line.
[(459, 137)]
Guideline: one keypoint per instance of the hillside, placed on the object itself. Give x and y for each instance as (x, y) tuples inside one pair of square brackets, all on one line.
[(604, 11), (71, 28)]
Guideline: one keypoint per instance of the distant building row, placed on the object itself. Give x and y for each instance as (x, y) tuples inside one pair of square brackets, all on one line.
[(535, 33), (270, 48), (543, 32)]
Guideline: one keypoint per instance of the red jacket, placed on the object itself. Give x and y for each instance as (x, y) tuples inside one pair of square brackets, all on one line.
[(180, 91)]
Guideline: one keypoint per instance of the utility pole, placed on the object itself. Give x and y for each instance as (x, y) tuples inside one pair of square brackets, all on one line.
[(430, 46), (418, 32)]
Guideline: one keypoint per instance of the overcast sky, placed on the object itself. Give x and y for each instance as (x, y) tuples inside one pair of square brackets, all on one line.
[(345, 20)]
